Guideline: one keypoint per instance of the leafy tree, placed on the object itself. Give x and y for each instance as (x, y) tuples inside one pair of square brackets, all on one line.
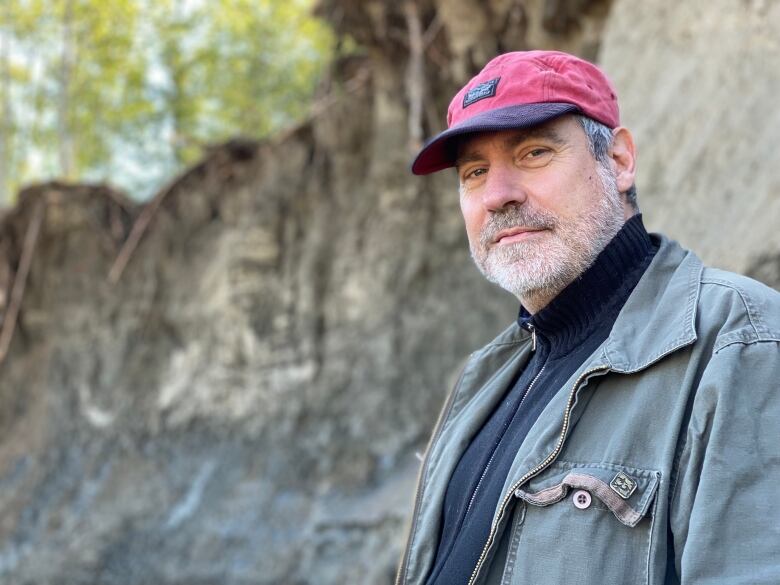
[(129, 91)]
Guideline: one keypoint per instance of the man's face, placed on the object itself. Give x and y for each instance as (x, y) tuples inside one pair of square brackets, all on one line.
[(538, 207)]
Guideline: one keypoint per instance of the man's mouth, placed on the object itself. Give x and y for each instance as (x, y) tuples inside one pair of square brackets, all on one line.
[(516, 234)]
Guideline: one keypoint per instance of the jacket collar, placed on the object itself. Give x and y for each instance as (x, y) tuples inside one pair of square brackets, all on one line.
[(659, 316)]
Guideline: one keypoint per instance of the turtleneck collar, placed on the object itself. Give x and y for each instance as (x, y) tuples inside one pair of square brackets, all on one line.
[(598, 293)]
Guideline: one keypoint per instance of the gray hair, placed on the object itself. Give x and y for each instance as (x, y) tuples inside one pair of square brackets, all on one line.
[(599, 141)]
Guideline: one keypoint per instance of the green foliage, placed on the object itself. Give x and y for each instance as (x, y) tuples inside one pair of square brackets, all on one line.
[(129, 91)]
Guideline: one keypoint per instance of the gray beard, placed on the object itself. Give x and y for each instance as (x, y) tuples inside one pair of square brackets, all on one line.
[(542, 270)]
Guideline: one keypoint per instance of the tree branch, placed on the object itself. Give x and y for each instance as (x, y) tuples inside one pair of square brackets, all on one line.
[(20, 280), (137, 232)]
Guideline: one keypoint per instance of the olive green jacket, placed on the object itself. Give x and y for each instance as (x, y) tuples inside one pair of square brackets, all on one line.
[(657, 462)]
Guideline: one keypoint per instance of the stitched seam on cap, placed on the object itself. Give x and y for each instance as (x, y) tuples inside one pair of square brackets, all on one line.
[(555, 69), (546, 86)]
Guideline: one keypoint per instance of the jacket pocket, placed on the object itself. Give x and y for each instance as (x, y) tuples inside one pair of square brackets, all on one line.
[(583, 523)]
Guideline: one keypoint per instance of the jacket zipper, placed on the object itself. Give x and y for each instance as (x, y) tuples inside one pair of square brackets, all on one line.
[(484, 472), (550, 458), (423, 470), (532, 329)]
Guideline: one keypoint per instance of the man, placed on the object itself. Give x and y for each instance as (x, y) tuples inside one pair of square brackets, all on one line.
[(625, 429)]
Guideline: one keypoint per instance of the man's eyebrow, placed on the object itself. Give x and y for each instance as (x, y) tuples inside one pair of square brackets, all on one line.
[(467, 158), (540, 132), (513, 140)]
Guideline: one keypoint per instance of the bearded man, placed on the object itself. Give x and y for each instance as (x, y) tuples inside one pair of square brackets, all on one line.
[(625, 428)]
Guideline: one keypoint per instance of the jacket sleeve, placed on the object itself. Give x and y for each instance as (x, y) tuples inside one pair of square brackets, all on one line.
[(725, 508)]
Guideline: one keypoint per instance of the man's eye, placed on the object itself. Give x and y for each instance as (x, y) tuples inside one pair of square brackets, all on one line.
[(535, 157), (537, 152), (475, 173)]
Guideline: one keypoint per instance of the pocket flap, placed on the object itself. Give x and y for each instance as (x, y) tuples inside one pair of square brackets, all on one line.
[(626, 491)]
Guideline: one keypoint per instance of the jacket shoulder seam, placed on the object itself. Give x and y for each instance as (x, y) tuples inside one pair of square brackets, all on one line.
[(736, 338), (750, 310)]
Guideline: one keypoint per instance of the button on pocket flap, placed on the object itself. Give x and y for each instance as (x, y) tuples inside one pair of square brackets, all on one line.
[(626, 491)]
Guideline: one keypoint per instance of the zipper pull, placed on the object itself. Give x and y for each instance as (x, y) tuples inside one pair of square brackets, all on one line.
[(532, 329)]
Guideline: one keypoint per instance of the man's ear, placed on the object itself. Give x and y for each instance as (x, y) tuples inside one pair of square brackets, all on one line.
[(623, 155)]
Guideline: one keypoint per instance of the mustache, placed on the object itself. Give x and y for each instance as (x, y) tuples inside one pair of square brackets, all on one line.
[(515, 216)]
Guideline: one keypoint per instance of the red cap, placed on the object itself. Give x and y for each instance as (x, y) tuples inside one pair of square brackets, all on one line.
[(518, 90)]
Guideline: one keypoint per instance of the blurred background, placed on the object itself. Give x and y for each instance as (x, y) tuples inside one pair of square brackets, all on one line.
[(228, 313), (131, 91)]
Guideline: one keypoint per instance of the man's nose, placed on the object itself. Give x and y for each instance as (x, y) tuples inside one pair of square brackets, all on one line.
[(503, 187)]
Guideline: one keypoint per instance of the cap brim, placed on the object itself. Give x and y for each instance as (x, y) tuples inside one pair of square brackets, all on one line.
[(439, 152)]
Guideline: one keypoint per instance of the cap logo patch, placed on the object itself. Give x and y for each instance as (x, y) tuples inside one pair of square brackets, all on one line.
[(484, 90)]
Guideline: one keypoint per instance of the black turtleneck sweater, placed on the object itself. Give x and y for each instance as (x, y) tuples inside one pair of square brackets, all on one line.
[(568, 331)]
